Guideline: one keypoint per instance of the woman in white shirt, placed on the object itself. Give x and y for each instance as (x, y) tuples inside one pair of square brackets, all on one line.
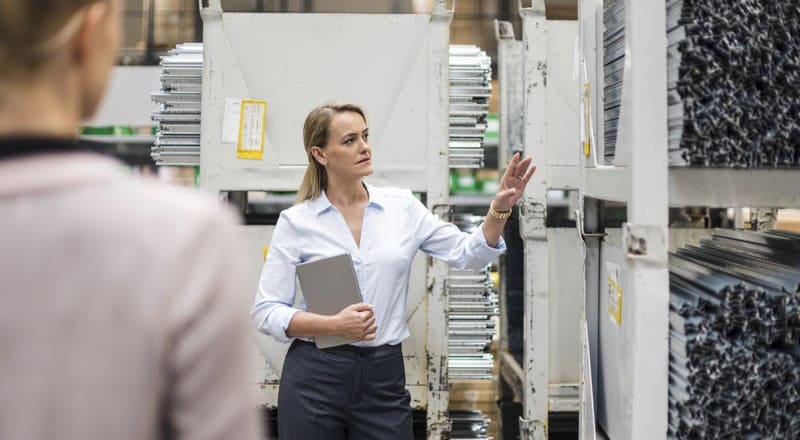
[(357, 391)]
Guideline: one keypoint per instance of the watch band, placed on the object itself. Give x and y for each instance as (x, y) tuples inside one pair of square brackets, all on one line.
[(500, 215)]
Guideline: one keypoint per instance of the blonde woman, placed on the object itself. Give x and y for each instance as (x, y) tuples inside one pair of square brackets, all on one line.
[(357, 391), (121, 301)]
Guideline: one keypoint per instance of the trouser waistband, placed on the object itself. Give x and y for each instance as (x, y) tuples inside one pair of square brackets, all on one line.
[(355, 352)]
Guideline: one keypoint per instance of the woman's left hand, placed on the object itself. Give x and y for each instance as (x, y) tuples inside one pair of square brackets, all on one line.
[(513, 182)]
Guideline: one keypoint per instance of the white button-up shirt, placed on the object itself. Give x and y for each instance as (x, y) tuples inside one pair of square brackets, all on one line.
[(395, 226)]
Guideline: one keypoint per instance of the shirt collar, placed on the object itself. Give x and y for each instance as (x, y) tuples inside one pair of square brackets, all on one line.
[(322, 204), (18, 146), (376, 196)]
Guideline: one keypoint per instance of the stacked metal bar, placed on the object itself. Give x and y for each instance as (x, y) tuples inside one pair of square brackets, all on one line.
[(613, 67), (469, 424), (178, 116), (470, 89), (733, 70), (472, 324), (472, 317), (734, 360)]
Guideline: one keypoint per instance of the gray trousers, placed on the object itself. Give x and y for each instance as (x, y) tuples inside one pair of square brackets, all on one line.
[(344, 393)]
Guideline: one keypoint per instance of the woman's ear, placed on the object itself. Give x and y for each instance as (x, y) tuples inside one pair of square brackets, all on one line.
[(319, 155), (89, 30)]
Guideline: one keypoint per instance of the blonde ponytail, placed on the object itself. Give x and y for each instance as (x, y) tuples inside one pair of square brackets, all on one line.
[(31, 30)]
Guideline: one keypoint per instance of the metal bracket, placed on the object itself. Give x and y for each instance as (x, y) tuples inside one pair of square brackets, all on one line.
[(537, 7), (582, 231), (214, 5), (503, 30), (531, 429), (644, 242), (564, 397), (213, 9), (532, 217)]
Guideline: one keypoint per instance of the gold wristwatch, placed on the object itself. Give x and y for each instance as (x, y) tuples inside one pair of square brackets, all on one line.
[(500, 215)]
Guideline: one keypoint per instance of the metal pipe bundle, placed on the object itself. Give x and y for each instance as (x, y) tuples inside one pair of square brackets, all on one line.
[(178, 139), (734, 359), (470, 89), (733, 75), (613, 68)]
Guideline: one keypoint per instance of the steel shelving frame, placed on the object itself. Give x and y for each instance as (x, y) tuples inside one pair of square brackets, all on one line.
[(539, 115), (276, 58), (629, 358)]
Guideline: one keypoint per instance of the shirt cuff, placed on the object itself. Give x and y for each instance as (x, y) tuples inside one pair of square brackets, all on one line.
[(481, 249), (279, 323)]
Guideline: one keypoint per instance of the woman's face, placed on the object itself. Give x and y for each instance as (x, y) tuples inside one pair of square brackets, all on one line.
[(347, 154)]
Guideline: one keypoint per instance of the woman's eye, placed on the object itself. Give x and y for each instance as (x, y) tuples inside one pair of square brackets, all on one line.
[(348, 141), (366, 136)]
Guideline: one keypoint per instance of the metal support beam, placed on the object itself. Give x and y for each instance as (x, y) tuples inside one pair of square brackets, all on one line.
[(533, 424), (644, 133), (439, 425), (511, 91), (437, 341)]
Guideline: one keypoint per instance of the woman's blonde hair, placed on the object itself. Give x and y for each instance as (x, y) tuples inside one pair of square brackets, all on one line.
[(315, 134), (30, 30)]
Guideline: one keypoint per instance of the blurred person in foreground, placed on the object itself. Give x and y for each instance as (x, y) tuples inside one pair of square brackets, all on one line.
[(122, 305)]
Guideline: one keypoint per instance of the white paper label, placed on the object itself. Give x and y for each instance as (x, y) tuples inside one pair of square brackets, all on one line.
[(230, 120)]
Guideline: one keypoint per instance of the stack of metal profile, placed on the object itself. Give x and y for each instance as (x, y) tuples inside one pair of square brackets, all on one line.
[(734, 362), (470, 89), (469, 424), (732, 78), (472, 324), (613, 68), (472, 317), (178, 139)]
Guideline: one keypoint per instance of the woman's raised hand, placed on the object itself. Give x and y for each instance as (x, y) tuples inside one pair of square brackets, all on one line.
[(513, 182)]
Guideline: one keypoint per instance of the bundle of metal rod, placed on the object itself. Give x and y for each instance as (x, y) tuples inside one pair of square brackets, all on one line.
[(734, 360), (472, 316), (472, 324), (733, 70), (470, 89), (469, 424), (613, 67), (178, 116)]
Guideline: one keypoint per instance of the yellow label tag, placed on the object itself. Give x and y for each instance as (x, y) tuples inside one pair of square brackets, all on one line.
[(252, 129), (587, 118), (265, 250), (614, 294)]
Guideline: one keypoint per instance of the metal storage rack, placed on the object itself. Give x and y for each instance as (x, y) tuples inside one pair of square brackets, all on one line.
[(628, 349), (276, 58), (539, 114)]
